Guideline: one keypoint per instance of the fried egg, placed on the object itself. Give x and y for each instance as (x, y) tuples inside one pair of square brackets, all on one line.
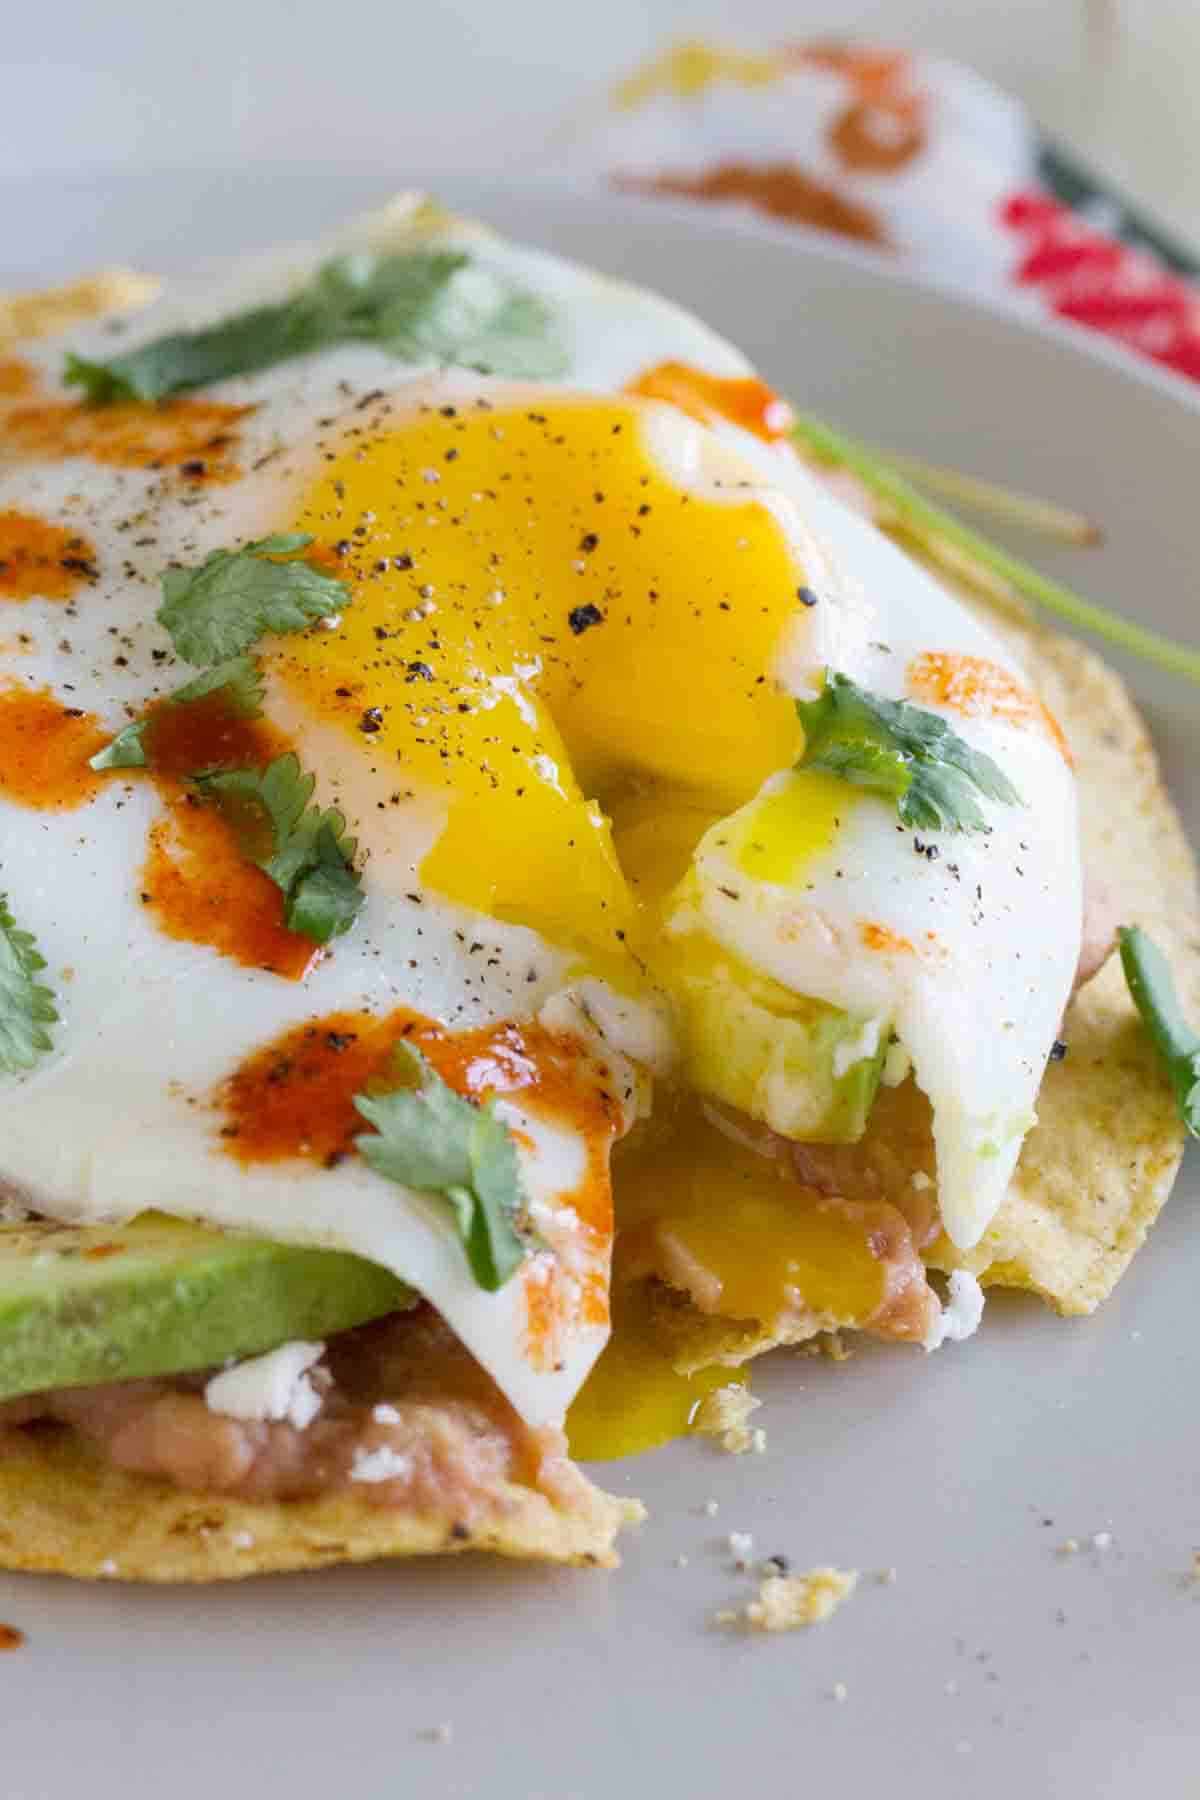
[(557, 714)]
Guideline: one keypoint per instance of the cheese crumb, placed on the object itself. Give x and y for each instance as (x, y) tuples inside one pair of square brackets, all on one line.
[(724, 1413), (108, 1566), (273, 1387), (787, 1602), (840, 1691), (383, 1414), (960, 1316), (849, 1051), (243, 1540), (384, 1464)]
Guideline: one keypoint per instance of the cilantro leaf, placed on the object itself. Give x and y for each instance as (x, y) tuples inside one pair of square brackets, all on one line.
[(430, 1138), (302, 849), (903, 753), (225, 604), (125, 751), (238, 674), (1148, 975), (26, 1005), (414, 304)]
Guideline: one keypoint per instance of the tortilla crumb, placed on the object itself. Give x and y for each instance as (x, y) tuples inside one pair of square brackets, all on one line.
[(787, 1602), (724, 1414), (46, 310), (828, 1344)]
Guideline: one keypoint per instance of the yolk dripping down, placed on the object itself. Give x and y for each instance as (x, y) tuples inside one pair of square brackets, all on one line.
[(545, 625), (574, 654)]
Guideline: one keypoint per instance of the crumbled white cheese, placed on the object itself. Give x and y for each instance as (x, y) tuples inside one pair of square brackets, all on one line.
[(856, 1049), (383, 1414), (243, 1540), (384, 1464), (271, 1387), (108, 1566), (840, 1691), (741, 1547), (960, 1316), (921, 1181)]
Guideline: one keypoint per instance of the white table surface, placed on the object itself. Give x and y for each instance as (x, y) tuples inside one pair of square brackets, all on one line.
[(479, 85)]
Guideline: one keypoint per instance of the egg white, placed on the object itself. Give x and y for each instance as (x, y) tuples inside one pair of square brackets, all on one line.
[(108, 1125)]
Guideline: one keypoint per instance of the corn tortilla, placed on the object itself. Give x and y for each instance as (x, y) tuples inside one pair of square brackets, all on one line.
[(66, 1511)]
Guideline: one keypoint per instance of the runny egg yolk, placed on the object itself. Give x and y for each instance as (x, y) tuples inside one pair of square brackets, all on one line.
[(571, 653), (553, 639)]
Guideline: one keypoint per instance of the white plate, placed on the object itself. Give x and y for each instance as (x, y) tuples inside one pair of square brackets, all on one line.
[(993, 1665)]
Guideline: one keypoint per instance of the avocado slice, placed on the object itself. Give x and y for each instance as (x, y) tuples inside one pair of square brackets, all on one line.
[(808, 1070), (157, 1296)]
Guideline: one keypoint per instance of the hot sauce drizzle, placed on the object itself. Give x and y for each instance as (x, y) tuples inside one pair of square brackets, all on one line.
[(16, 377), (193, 437), (44, 750), (975, 687), (39, 560), (201, 886), (202, 890), (743, 400), (294, 1097)]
